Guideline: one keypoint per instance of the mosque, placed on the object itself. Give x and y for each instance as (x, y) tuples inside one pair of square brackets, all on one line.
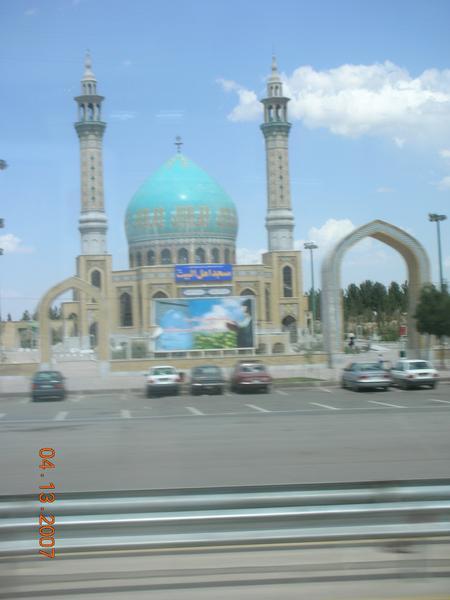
[(183, 292)]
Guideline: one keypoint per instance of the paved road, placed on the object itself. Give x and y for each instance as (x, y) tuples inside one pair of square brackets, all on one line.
[(267, 572), (127, 441)]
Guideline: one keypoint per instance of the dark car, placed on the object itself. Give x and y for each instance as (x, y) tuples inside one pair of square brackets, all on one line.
[(207, 378), (251, 375), (48, 384)]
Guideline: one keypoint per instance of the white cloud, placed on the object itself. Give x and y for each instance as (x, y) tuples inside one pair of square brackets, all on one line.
[(354, 100), (11, 244), (400, 142), (30, 12), (330, 233), (384, 190), (245, 256), (444, 183), (445, 153), (123, 115), (249, 107), (170, 114), (126, 63)]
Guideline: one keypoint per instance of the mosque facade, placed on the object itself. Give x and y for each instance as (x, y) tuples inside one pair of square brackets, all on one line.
[(181, 228)]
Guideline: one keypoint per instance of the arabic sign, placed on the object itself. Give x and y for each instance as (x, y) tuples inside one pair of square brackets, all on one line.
[(203, 323), (206, 291), (193, 273)]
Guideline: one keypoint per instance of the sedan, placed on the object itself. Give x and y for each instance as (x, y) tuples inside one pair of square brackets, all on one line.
[(409, 373), (250, 376), (47, 384), (359, 376), (207, 378), (163, 380)]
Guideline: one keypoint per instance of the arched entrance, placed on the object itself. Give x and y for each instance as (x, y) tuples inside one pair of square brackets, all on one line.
[(418, 266), (92, 292)]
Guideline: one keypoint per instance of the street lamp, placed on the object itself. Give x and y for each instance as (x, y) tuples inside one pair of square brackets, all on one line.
[(312, 246), (438, 219)]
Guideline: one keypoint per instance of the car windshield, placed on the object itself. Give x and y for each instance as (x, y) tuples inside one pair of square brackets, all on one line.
[(419, 364), (163, 371), (252, 368), (369, 367), (207, 371), (47, 376)]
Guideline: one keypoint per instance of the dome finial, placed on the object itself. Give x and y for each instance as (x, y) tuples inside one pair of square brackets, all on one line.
[(274, 64), (178, 143), (88, 74)]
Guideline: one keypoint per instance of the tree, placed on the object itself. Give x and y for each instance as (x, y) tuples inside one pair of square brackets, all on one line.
[(9, 318), (433, 312), (26, 316)]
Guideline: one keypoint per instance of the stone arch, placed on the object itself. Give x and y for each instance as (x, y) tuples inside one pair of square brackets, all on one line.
[(417, 263), (289, 324), (73, 283)]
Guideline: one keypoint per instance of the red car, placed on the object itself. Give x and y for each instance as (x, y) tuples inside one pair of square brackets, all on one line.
[(251, 375)]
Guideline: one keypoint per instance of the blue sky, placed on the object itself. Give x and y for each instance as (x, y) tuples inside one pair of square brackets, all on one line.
[(370, 108)]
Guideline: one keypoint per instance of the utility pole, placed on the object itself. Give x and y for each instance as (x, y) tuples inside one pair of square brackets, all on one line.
[(312, 246), (437, 219)]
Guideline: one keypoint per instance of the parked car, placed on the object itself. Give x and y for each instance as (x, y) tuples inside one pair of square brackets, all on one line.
[(359, 376), (408, 373), (250, 375), (207, 378), (163, 380), (48, 384)]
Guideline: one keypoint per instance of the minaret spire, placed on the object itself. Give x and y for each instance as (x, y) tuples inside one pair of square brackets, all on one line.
[(280, 218), (90, 129)]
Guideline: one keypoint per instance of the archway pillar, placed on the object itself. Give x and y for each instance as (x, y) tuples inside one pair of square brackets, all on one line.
[(418, 267), (44, 322)]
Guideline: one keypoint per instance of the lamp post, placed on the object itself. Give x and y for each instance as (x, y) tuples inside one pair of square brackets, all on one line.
[(312, 246), (437, 219)]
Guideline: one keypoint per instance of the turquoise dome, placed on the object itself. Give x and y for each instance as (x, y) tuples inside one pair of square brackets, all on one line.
[(180, 199)]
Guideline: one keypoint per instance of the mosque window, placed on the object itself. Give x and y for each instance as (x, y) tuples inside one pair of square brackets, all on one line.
[(138, 259), (200, 255), (267, 302), (287, 282), (215, 255), (96, 279), (270, 113), (277, 113), (90, 112), (247, 292), (289, 324), (150, 257), (227, 255), (126, 312), (183, 256), (166, 257), (160, 295)]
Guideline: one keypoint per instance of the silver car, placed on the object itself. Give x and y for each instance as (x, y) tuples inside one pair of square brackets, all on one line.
[(359, 376), (409, 373), (163, 380)]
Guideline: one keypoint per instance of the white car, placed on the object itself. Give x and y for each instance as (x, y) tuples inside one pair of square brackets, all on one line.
[(410, 373), (163, 380)]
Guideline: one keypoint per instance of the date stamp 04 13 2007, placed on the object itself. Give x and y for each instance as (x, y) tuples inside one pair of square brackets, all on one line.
[(46, 522)]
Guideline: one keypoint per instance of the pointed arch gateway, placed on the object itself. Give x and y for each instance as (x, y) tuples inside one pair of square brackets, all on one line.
[(73, 283), (417, 263)]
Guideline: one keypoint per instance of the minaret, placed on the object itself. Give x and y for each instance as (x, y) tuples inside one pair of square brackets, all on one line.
[(280, 218), (90, 129)]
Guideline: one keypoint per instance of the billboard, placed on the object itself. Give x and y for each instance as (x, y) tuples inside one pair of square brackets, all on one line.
[(203, 323), (202, 273)]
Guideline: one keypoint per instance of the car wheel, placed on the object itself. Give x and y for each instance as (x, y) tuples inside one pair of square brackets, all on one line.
[(219, 391), (149, 393), (343, 386), (433, 385)]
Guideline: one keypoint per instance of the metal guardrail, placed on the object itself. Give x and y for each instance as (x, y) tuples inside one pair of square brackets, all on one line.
[(228, 516)]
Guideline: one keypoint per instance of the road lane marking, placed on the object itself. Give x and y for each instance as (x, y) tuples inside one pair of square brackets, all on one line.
[(281, 393), (61, 416), (322, 389), (195, 411), (77, 398), (258, 408), (437, 400), (325, 406), (125, 414), (386, 404)]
